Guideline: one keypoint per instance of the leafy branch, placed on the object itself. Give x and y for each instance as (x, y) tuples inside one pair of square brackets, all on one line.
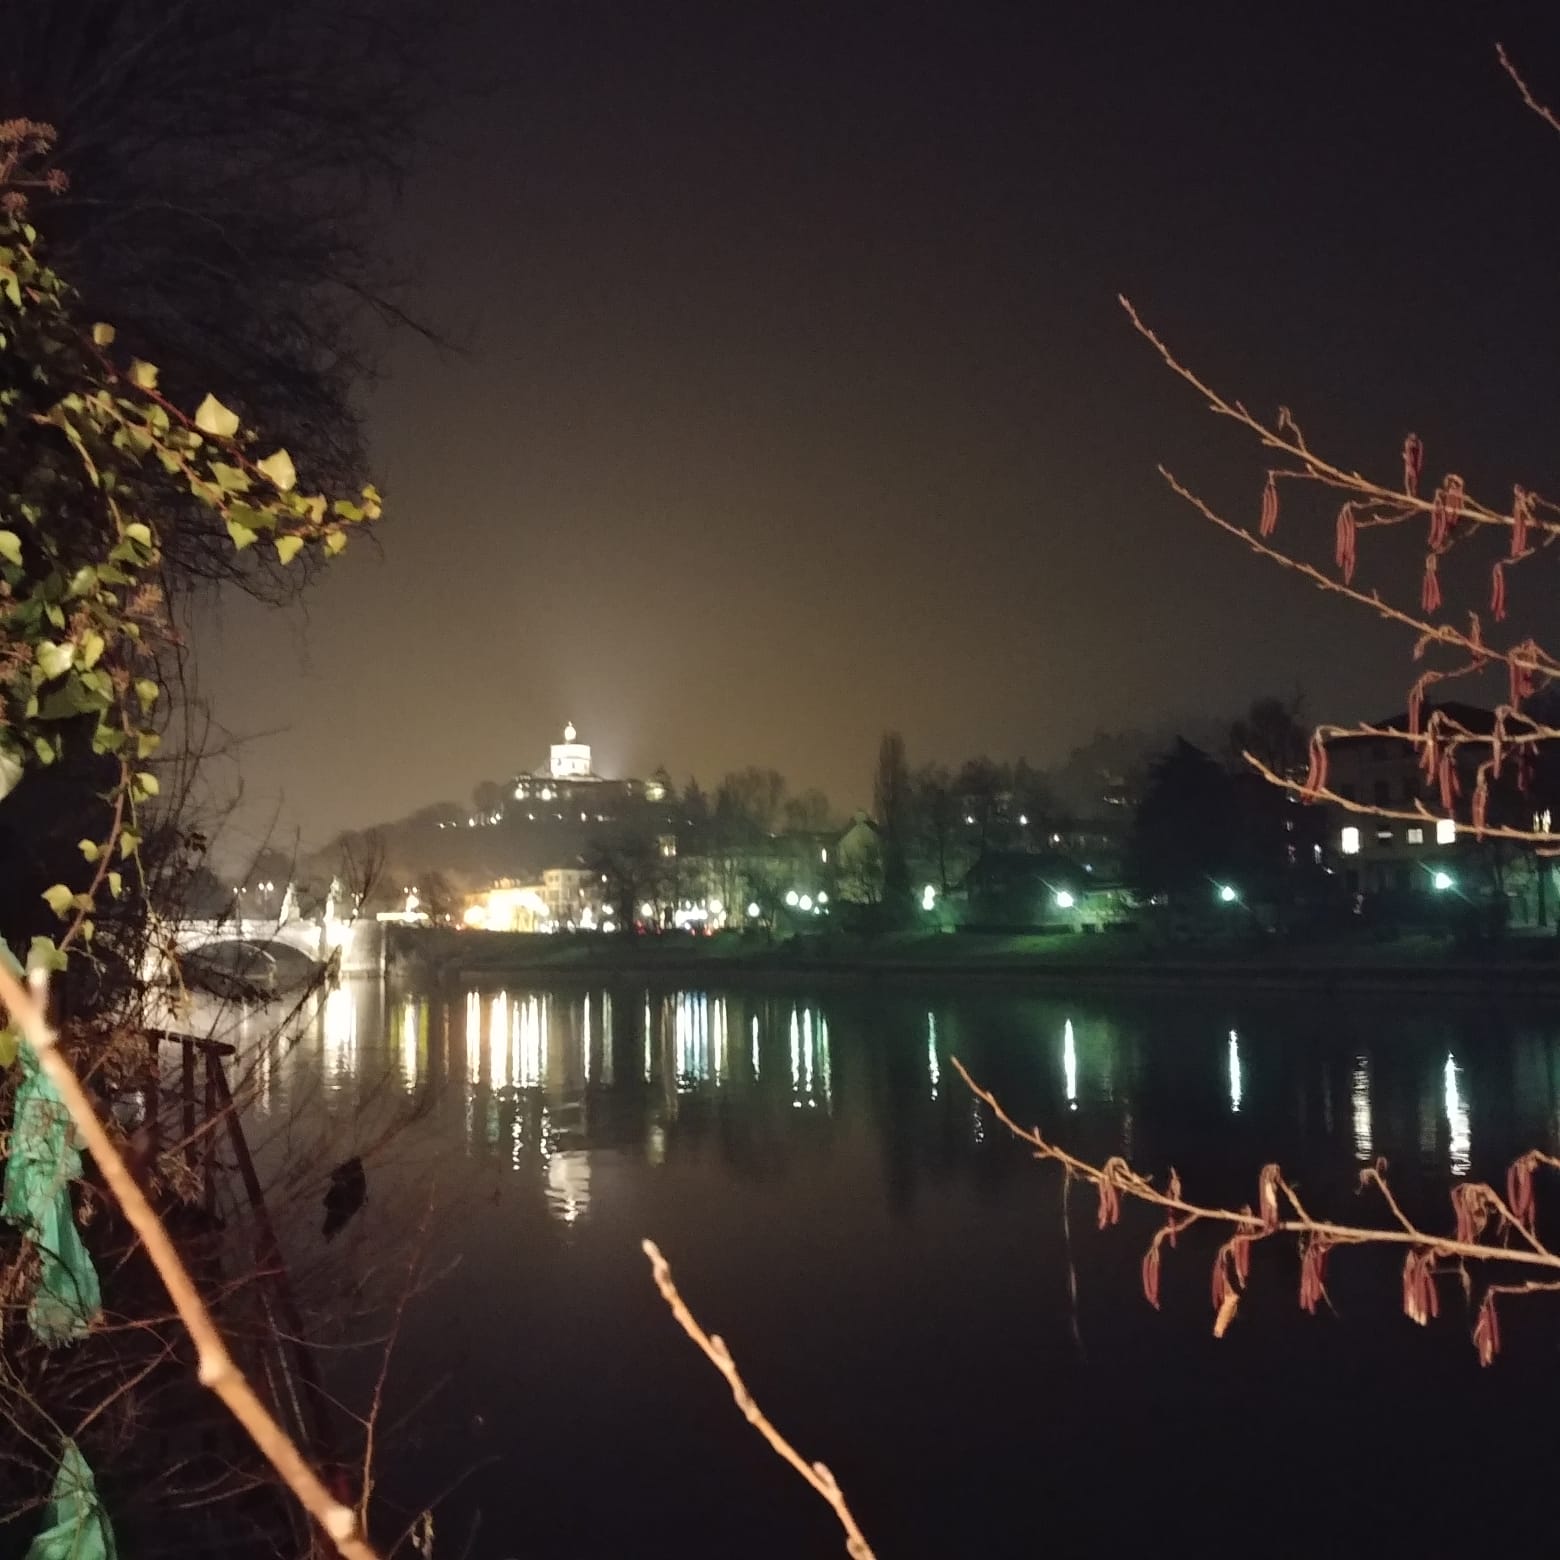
[(99, 455)]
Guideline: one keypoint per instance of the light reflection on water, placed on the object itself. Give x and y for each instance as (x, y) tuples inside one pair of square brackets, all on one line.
[(533, 1062), (1359, 1097), (1460, 1145), (543, 1074)]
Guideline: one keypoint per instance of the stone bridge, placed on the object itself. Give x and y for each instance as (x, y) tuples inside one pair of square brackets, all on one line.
[(361, 942)]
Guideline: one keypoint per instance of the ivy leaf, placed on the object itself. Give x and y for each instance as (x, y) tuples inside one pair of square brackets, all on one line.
[(55, 660), (143, 375), (71, 698), (43, 955), (279, 468), (129, 843), (140, 532), (103, 335), (146, 691), (11, 547), (59, 899), (92, 646), (89, 849), (146, 784), (335, 541), (147, 743), (231, 479), (10, 770), (116, 884), (242, 536), (211, 416), (288, 547)]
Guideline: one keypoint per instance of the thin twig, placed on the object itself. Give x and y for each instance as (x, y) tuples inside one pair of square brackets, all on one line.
[(715, 1350)]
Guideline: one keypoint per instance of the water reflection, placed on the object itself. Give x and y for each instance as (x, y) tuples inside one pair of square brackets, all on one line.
[(1359, 1096), (567, 1088), (1460, 1149)]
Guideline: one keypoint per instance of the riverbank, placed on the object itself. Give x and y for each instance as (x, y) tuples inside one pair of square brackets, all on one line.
[(1114, 960)]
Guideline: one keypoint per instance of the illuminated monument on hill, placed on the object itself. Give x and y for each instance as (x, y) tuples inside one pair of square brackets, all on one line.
[(570, 758)]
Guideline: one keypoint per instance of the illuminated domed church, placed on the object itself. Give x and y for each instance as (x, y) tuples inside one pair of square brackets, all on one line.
[(570, 777), (571, 757)]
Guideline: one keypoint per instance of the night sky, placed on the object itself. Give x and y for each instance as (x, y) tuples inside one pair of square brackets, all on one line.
[(795, 401)]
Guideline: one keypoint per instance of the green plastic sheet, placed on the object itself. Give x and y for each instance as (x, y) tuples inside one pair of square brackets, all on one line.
[(75, 1526), (42, 1163)]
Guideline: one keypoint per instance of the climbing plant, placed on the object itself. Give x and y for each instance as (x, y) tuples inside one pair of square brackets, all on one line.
[(94, 460), (92, 454)]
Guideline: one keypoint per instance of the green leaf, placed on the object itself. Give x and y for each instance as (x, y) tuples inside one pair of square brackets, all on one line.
[(146, 783), (46, 750), (55, 660), (92, 646), (335, 541), (82, 582), (59, 899), (257, 519), (231, 479), (288, 547), (43, 955), (147, 743), (146, 691), (143, 375), (211, 416), (11, 547), (279, 468), (103, 335), (129, 843), (116, 884), (138, 531), (89, 849), (71, 698), (242, 536)]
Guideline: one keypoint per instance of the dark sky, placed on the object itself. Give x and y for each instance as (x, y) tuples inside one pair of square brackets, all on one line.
[(797, 403)]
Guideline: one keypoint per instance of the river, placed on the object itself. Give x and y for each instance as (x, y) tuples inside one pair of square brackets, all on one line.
[(899, 1281)]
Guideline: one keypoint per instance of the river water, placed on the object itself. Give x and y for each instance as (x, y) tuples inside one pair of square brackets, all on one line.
[(907, 1292)]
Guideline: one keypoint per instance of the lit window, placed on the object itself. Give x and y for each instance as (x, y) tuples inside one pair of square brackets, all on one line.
[(1416, 836), (1445, 831), (1349, 841), (1384, 836)]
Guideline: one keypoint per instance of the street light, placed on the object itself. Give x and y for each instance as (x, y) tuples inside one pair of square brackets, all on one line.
[(1441, 882), (928, 897), (1227, 894), (1064, 900), (791, 897), (805, 902), (753, 910)]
